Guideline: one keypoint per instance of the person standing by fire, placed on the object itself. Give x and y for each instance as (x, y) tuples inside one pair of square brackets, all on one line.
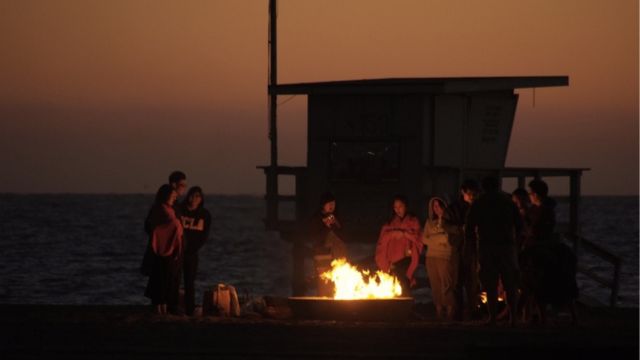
[(399, 247), (468, 287), (196, 221), (442, 238), (494, 219), (327, 241)]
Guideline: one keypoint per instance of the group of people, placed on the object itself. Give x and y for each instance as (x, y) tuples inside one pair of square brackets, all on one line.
[(176, 231), (471, 245)]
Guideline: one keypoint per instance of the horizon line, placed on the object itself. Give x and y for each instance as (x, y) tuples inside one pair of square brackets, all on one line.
[(250, 194)]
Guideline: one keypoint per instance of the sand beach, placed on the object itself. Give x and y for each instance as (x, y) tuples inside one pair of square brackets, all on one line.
[(133, 332)]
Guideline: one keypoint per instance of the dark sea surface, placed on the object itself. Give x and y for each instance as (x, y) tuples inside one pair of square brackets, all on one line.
[(86, 249)]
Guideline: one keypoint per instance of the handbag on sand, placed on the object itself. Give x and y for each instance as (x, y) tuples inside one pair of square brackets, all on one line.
[(222, 300)]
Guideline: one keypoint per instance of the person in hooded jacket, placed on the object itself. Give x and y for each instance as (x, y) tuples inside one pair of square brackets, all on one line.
[(399, 247), (196, 221), (442, 239), (166, 244)]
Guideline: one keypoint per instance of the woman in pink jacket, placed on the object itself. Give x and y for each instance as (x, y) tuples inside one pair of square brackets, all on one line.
[(399, 246)]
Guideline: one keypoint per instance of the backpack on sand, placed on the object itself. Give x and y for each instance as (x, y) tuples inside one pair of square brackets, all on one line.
[(222, 300)]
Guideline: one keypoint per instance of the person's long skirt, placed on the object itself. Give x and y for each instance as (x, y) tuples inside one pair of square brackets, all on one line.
[(161, 288), (443, 276)]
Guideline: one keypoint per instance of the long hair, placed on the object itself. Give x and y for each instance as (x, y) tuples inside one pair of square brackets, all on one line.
[(192, 191), (403, 199), (163, 194), (443, 205)]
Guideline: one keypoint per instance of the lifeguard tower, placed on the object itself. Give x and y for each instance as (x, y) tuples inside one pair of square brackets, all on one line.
[(370, 139)]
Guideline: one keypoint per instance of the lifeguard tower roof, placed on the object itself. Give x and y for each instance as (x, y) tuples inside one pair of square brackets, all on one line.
[(439, 85)]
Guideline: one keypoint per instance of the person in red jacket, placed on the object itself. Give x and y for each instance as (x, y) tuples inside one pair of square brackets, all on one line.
[(399, 246)]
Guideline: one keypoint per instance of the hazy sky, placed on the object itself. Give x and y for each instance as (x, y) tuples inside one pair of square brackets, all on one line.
[(109, 96)]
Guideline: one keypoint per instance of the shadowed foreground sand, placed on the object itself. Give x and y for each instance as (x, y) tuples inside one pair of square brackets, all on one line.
[(99, 332)]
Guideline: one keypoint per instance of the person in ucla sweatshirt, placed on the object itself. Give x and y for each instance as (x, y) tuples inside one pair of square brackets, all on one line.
[(196, 221)]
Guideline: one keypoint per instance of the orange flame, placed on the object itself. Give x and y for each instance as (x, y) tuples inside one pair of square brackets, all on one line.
[(483, 297), (351, 283)]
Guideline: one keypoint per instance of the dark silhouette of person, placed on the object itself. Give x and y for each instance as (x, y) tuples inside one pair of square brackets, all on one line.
[(166, 243), (196, 221), (548, 266), (178, 182), (493, 217), (467, 287), (328, 245), (542, 216), (520, 198)]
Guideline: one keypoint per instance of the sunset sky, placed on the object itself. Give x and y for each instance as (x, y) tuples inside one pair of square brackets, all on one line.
[(110, 96)]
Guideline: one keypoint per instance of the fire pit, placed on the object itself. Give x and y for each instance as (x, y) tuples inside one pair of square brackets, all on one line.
[(358, 295), (321, 308)]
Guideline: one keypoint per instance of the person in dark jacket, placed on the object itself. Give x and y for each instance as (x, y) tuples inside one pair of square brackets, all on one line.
[(326, 234), (549, 267), (178, 182), (520, 198), (196, 221), (542, 215), (493, 217), (468, 287), (166, 244)]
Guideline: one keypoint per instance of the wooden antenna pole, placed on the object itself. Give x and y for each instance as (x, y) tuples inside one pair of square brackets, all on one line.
[(272, 177)]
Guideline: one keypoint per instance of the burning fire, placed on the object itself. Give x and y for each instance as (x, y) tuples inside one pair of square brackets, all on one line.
[(352, 284), (483, 297)]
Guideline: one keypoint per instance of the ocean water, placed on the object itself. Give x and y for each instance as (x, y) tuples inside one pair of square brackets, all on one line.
[(86, 249)]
